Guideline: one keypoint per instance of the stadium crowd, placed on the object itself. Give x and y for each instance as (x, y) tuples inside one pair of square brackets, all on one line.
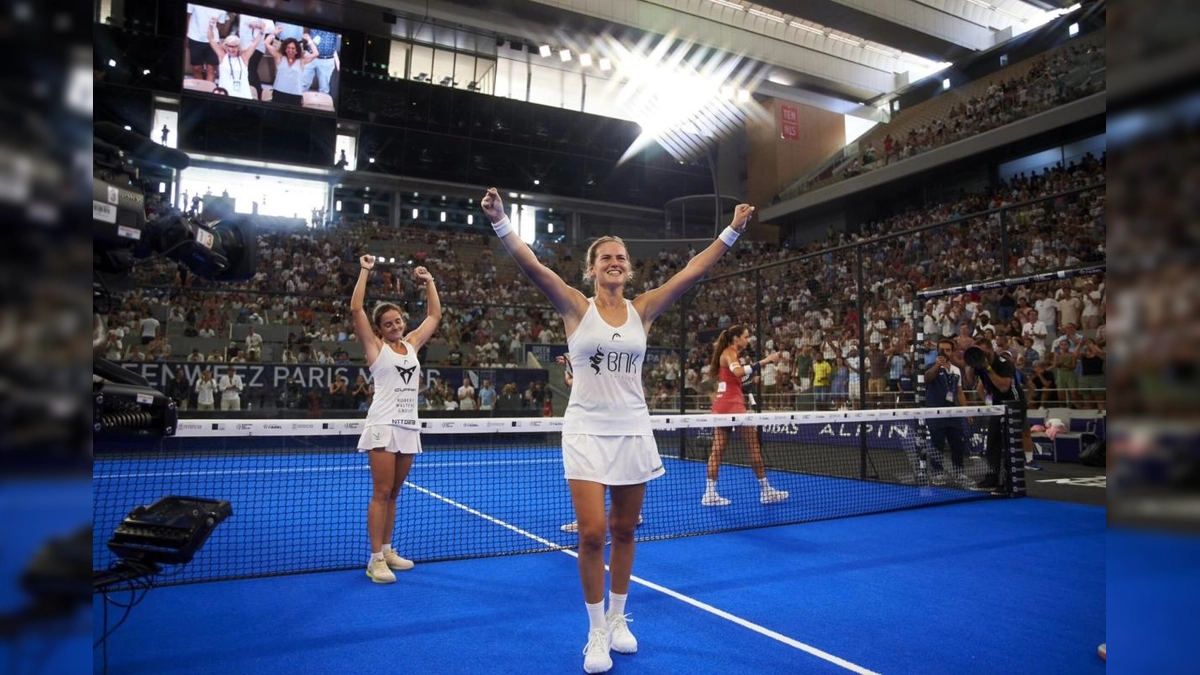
[(810, 311), (1052, 79)]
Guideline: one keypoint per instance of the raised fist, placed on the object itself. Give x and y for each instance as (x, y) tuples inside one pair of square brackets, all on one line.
[(741, 217), (492, 206)]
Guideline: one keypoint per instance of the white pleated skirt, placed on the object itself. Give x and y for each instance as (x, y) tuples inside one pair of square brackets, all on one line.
[(390, 439), (611, 460)]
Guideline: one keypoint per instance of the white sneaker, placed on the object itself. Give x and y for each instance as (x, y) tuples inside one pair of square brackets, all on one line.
[(395, 562), (770, 495), (377, 571), (713, 499), (595, 655), (622, 640)]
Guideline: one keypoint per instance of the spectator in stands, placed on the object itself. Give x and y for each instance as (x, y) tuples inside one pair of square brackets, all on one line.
[(148, 329), (290, 61), (339, 394), (1042, 384), (391, 435), (292, 394), (1092, 382), (322, 68), (487, 396), (203, 59), (206, 390), (822, 379), (360, 391), (608, 444), (466, 395), (877, 362), (135, 354), (253, 345), (233, 62), (113, 348), (1036, 332), (1047, 311), (231, 386), (454, 357), (509, 399)]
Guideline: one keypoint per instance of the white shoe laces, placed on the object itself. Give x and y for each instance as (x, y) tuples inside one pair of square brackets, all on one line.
[(597, 642), (618, 622)]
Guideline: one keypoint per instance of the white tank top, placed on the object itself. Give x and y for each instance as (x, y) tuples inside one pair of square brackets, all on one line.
[(287, 77), (233, 77), (397, 379), (607, 397)]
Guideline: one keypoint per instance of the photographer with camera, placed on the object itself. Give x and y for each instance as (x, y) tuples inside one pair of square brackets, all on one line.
[(943, 389), (996, 379)]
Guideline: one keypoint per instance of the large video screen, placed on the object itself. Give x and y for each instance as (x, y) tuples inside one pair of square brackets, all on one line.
[(259, 59)]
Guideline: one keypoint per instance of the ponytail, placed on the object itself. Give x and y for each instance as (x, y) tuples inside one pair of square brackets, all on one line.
[(723, 341)]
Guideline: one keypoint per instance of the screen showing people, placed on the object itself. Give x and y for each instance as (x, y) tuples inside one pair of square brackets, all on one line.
[(259, 59)]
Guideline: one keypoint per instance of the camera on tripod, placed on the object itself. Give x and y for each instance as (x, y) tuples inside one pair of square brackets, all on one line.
[(126, 228)]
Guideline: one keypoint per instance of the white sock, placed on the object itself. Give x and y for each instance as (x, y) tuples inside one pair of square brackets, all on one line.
[(386, 548), (1028, 457), (377, 556), (712, 486), (595, 615), (616, 602), (763, 482)]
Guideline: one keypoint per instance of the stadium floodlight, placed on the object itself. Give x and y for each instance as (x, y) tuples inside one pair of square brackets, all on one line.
[(673, 90), (605, 64), (564, 55), (544, 50), (585, 60)]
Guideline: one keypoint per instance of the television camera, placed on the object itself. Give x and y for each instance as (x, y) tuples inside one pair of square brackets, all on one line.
[(127, 227)]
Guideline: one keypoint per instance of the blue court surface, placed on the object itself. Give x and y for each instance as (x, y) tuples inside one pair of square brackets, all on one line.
[(1005, 586)]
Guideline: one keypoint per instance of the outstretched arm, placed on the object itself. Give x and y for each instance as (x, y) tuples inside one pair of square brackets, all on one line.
[(214, 40), (651, 304), (271, 48), (569, 302), (362, 323), (433, 311)]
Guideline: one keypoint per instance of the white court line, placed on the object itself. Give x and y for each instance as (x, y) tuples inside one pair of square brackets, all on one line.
[(313, 469), (761, 630)]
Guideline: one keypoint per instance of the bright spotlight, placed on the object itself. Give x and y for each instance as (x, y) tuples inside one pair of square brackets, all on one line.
[(565, 55), (544, 50), (605, 64), (585, 60)]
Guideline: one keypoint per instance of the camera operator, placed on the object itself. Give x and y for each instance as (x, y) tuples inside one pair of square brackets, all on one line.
[(943, 389), (996, 379)]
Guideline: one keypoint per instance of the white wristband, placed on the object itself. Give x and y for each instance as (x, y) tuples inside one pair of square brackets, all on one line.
[(503, 227), (729, 236)]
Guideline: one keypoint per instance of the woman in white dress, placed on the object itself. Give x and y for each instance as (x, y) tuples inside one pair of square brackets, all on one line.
[(608, 442)]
